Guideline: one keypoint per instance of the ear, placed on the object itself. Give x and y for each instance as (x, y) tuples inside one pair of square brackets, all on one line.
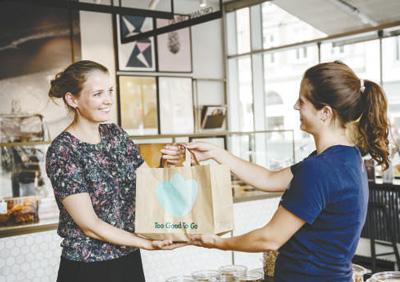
[(71, 100), (326, 113)]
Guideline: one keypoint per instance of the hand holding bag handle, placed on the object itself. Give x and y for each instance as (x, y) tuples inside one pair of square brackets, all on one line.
[(188, 159), (185, 162)]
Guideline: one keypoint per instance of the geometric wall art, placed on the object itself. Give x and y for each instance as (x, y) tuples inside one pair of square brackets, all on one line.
[(174, 50), (137, 55)]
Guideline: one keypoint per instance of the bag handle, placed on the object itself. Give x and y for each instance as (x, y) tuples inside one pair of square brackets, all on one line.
[(187, 161)]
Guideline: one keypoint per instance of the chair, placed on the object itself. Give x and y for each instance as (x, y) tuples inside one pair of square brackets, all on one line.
[(373, 208)]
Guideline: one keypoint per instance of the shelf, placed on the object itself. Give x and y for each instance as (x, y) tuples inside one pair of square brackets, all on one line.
[(42, 225)]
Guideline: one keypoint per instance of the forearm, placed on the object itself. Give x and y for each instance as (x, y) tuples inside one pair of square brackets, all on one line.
[(257, 176), (103, 231), (255, 241)]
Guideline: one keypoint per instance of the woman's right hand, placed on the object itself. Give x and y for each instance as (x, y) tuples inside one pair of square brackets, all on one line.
[(203, 150)]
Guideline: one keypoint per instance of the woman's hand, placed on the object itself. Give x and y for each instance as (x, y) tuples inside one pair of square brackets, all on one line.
[(206, 241), (165, 245), (204, 150), (173, 154)]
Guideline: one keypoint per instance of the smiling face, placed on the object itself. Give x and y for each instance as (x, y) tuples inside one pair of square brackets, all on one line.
[(96, 98), (310, 117)]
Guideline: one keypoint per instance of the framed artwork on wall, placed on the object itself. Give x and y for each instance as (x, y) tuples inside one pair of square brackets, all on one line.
[(174, 49), (176, 105), (138, 112), (137, 55), (213, 116)]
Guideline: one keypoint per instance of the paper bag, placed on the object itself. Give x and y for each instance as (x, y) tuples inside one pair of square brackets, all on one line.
[(178, 202)]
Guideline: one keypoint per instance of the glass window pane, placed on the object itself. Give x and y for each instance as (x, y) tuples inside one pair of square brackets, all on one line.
[(231, 33), (243, 30), (273, 150), (239, 146), (245, 94), (362, 57), (281, 28), (391, 86), (282, 85)]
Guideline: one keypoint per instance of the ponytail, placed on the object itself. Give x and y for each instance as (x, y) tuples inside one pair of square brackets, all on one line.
[(359, 104), (373, 125)]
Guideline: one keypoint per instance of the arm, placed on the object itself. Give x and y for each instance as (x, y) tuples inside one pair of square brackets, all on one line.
[(272, 236), (253, 174), (79, 206)]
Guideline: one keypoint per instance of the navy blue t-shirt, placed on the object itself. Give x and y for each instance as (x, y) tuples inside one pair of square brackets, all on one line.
[(329, 192)]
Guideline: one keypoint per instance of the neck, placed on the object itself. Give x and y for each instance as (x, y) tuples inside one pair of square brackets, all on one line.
[(84, 131), (331, 137)]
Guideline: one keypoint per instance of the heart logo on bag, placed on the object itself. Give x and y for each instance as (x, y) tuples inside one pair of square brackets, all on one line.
[(177, 196)]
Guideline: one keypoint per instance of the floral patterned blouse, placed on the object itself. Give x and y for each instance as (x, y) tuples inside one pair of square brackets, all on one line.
[(107, 172)]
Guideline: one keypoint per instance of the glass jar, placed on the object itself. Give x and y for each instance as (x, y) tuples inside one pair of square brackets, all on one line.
[(180, 278), (251, 276), (232, 270), (208, 275), (358, 273), (387, 276)]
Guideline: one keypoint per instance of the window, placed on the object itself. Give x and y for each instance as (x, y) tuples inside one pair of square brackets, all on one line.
[(271, 76), (286, 27)]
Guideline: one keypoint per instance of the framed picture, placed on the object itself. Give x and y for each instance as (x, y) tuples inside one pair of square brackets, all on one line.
[(213, 117), (176, 105), (174, 49), (137, 55), (138, 112)]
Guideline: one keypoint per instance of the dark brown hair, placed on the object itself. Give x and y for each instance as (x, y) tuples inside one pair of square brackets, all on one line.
[(72, 79), (336, 85)]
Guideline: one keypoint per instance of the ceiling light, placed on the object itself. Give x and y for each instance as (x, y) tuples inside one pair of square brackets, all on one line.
[(349, 8), (153, 4), (203, 3)]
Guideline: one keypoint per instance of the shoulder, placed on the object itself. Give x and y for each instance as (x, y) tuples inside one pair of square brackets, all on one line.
[(312, 165), (62, 143), (112, 129)]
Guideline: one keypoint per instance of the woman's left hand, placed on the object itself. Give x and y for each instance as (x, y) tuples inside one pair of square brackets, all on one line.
[(206, 241), (166, 245)]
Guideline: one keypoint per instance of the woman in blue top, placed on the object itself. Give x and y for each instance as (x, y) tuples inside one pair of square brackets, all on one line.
[(92, 168), (317, 225)]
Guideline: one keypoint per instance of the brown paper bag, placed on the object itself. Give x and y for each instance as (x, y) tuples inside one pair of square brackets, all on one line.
[(178, 202)]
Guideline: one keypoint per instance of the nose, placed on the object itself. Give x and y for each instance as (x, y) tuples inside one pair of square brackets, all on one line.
[(109, 99), (296, 105)]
